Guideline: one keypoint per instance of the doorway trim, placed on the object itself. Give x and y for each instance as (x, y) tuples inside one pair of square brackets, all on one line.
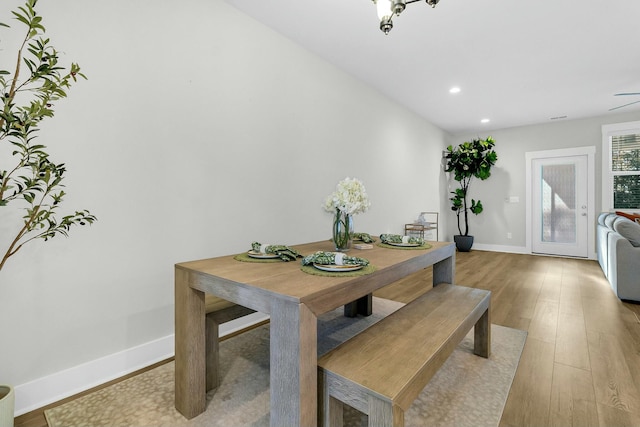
[(565, 152)]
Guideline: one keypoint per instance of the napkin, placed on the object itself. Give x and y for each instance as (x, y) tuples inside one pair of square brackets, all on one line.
[(365, 237), (333, 258), (284, 252), (397, 238)]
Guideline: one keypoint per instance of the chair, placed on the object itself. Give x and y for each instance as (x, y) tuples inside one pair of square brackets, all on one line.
[(426, 222)]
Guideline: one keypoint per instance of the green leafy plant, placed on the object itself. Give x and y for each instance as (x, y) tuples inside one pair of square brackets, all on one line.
[(32, 181), (467, 161)]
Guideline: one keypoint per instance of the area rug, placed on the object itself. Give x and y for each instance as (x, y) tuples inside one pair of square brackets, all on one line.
[(467, 391)]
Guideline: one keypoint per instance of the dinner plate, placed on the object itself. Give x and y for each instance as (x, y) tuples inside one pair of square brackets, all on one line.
[(406, 245), (254, 254), (333, 267)]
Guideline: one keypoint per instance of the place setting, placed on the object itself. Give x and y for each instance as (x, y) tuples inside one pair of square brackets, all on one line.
[(335, 264), (320, 263), (398, 241), (261, 252)]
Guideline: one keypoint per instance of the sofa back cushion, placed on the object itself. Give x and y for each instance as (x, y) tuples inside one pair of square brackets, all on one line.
[(602, 216), (610, 219), (628, 229)]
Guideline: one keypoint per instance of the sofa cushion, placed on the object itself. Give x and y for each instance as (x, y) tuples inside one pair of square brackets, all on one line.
[(602, 216), (609, 220), (630, 230)]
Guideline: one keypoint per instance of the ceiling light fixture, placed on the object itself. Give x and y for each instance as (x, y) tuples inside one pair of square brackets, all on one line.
[(485, 121), (454, 90), (387, 9)]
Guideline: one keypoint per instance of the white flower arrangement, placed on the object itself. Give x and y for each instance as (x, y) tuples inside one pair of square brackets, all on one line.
[(350, 197)]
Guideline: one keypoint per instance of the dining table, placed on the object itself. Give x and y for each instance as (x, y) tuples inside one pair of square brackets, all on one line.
[(293, 299)]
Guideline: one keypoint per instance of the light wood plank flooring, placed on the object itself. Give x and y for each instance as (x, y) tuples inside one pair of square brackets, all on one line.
[(581, 362)]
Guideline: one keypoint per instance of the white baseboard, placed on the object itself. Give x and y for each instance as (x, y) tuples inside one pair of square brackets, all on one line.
[(57, 386), (501, 248), (60, 385), (517, 250)]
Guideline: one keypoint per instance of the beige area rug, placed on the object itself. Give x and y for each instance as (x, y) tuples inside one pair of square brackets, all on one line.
[(467, 391)]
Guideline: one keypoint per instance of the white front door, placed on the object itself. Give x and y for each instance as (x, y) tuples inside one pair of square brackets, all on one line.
[(560, 210)]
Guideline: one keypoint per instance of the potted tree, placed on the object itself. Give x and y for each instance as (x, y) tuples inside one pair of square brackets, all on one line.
[(29, 179), (467, 161)]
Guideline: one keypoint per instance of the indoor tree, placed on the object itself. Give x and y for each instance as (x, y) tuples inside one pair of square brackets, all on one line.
[(467, 161), (29, 179)]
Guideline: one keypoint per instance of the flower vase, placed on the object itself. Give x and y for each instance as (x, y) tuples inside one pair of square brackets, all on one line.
[(342, 231)]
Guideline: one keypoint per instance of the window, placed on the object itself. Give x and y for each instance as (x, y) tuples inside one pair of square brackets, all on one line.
[(621, 166)]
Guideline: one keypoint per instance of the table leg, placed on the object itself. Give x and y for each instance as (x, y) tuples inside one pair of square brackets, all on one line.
[(190, 384), (362, 306), (365, 305), (351, 309), (293, 368), (444, 271)]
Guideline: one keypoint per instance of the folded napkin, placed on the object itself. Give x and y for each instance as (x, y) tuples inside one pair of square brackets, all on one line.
[(397, 238), (365, 237), (333, 258), (285, 253)]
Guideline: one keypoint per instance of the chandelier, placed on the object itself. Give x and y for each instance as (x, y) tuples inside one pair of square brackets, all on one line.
[(387, 9)]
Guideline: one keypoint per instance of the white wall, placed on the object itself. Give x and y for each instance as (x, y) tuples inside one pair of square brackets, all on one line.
[(198, 131), (508, 178)]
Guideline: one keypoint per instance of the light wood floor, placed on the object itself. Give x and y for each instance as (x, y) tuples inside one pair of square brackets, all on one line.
[(581, 362)]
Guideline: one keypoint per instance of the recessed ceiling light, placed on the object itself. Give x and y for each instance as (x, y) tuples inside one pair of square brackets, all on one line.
[(485, 121), (454, 89)]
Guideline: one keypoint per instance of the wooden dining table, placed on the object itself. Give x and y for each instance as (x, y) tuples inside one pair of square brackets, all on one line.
[(293, 299)]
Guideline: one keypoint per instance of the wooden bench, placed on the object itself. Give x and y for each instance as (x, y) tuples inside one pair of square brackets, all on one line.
[(218, 311), (382, 370)]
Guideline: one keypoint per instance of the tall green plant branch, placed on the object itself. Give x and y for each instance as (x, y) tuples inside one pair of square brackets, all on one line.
[(469, 160), (34, 27), (35, 180)]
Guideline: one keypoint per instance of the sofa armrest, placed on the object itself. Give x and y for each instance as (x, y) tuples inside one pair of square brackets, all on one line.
[(624, 267)]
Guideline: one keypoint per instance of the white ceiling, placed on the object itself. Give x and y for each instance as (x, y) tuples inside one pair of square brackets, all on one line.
[(517, 62)]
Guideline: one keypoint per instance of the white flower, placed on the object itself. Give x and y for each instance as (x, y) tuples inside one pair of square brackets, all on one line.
[(350, 197)]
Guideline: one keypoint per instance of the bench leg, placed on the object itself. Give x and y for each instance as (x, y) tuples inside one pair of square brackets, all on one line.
[(482, 335), (212, 362), (330, 409), (398, 416), (212, 324), (383, 413), (335, 416)]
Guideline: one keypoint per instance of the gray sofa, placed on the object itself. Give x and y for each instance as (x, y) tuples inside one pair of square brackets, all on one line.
[(618, 249)]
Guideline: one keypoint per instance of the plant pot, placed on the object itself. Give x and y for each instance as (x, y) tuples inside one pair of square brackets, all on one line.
[(463, 243), (7, 402)]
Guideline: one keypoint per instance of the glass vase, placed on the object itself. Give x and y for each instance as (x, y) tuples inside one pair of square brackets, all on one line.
[(342, 231)]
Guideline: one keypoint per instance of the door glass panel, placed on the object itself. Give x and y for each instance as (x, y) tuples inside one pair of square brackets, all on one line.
[(558, 203)]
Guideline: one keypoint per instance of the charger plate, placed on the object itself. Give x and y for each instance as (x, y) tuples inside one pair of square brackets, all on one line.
[(309, 269), (405, 248)]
